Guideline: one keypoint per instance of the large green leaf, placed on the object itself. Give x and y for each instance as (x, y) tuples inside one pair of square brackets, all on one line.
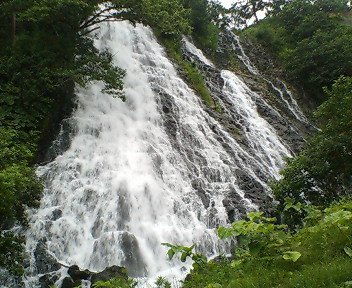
[(348, 251), (291, 255)]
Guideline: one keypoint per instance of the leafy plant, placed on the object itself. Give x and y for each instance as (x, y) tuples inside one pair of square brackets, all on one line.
[(291, 255), (116, 283), (186, 252), (316, 256), (259, 235), (161, 282), (348, 251)]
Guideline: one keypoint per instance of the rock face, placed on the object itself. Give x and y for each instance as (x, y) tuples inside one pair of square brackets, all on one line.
[(265, 84), (76, 275), (45, 263), (48, 266), (274, 102), (47, 280), (50, 146), (108, 273)]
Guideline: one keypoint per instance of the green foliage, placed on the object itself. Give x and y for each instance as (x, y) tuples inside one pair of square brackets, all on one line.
[(19, 189), (116, 283), (198, 83), (93, 64), (204, 32), (187, 252), (317, 256), (161, 282), (348, 251), (247, 10), (291, 255), (307, 38), (270, 33), (11, 252), (322, 172), (258, 235), (168, 17), (324, 61)]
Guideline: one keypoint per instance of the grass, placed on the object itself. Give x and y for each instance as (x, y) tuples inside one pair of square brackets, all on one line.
[(192, 73)]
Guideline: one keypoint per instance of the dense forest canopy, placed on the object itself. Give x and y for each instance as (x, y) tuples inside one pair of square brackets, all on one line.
[(47, 48)]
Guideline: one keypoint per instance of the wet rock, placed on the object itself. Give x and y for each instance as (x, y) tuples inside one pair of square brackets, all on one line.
[(166, 109), (57, 213), (234, 206), (133, 259), (109, 273), (47, 280), (198, 186), (253, 189), (68, 283), (77, 274), (45, 263)]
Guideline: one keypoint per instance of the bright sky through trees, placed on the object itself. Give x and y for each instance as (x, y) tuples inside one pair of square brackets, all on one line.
[(227, 3)]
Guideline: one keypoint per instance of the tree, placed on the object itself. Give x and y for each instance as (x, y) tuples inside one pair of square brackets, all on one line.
[(322, 172), (218, 14), (276, 6), (246, 10), (204, 31), (318, 59), (169, 17)]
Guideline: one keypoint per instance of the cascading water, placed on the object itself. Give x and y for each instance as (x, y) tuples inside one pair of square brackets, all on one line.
[(280, 89), (156, 168)]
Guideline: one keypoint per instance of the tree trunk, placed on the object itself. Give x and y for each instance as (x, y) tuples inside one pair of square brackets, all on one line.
[(254, 10), (256, 18)]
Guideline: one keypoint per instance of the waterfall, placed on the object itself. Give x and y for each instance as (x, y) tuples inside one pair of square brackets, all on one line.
[(280, 88), (156, 168)]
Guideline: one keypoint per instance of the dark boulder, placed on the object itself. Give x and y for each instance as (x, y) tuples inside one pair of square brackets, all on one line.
[(77, 274), (67, 283), (47, 280), (45, 263), (109, 273)]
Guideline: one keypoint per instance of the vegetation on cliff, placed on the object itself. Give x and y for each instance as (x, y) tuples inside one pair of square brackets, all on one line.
[(311, 40), (322, 173)]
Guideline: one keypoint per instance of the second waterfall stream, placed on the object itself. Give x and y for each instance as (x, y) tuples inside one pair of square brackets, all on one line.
[(155, 168)]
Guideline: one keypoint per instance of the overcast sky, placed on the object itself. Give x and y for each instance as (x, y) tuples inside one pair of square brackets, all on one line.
[(227, 3)]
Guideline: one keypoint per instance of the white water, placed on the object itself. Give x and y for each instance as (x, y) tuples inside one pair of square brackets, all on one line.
[(125, 185), (283, 92), (197, 52), (243, 56)]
